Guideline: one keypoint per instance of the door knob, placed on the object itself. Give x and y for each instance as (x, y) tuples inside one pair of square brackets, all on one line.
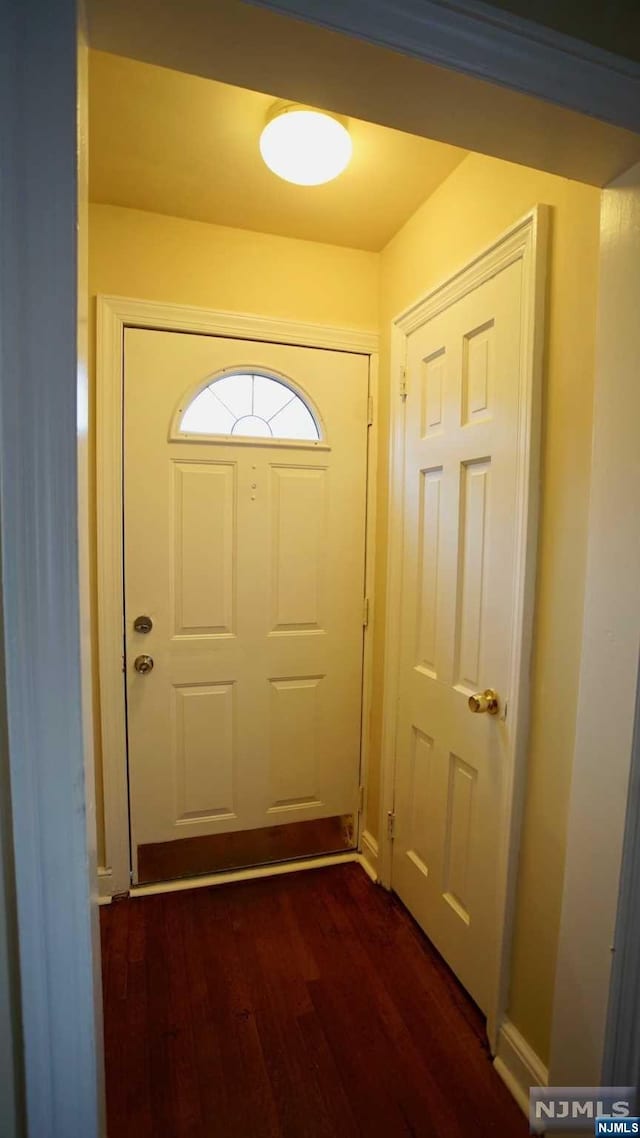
[(484, 701), (143, 664), (143, 624)]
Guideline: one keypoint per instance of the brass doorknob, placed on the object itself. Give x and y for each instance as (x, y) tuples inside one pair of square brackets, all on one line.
[(143, 664), (484, 701)]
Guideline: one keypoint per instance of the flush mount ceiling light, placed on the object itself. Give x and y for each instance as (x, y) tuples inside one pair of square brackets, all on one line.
[(305, 146)]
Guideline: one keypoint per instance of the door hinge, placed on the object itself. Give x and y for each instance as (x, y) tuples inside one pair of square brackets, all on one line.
[(370, 411), (391, 825), (365, 613), (403, 382), (361, 800)]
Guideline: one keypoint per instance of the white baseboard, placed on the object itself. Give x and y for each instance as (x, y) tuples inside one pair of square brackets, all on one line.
[(105, 885), (368, 859), (369, 855), (518, 1065)]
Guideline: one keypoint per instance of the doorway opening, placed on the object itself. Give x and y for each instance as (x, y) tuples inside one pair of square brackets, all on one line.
[(328, 300), (260, 555)]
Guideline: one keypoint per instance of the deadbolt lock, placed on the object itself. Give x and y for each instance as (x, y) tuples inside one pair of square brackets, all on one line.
[(484, 701), (143, 624), (143, 664)]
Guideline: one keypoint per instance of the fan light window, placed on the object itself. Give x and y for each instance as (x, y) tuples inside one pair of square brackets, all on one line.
[(250, 406)]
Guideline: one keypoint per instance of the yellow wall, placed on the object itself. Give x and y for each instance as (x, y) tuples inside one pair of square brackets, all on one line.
[(473, 206), (152, 257)]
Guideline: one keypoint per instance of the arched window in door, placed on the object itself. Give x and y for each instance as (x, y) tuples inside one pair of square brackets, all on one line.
[(250, 405)]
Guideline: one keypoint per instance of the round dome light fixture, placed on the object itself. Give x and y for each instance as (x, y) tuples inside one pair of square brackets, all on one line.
[(305, 146)]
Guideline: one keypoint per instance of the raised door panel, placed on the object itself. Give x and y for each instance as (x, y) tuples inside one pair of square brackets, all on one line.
[(296, 734), (299, 548), (419, 839), (478, 373), (460, 808), (428, 568), (204, 548), (473, 546), (204, 760), (432, 393)]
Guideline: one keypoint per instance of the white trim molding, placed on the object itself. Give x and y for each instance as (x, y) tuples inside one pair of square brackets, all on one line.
[(41, 434), (526, 241), (369, 854), (518, 1065), (369, 588), (489, 43), (105, 885), (119, 312), (592, 1036), (114, 315), (274, 869), (621, 1059)]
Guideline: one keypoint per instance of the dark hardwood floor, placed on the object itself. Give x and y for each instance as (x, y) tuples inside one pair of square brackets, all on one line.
[(303, 1006)]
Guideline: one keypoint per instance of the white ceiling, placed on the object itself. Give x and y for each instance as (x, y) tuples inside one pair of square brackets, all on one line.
[(181, 145)]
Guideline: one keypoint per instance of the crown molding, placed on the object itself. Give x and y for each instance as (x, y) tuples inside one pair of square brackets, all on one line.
[(491, 44)]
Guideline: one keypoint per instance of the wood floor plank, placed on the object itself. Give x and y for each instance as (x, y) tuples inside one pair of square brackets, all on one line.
[(115, 935), (180, 1040), (209, 1025), (279, 995), (252, 1108), (159, 1026), (301, 1006), (136, 1046)]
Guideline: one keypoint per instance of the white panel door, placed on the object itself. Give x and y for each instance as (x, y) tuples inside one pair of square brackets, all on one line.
[(248, 556), (461, 439)]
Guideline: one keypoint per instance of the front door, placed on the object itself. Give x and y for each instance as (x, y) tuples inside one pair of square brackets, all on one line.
[(463, 429), (244, 528)]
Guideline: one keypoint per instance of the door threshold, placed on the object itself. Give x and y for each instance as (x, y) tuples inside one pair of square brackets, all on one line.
[(207, 880), (243, 849)]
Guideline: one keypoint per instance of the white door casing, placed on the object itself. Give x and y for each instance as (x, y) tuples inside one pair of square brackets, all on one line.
[(462, 560), (248, 555), (114, 316), (595, 1031)]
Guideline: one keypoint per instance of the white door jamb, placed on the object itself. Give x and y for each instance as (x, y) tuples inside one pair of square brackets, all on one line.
[(590, 1028)]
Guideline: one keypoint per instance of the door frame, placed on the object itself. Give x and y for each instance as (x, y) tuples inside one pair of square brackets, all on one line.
[(527, 241), (114, 316), (595, 1034)]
